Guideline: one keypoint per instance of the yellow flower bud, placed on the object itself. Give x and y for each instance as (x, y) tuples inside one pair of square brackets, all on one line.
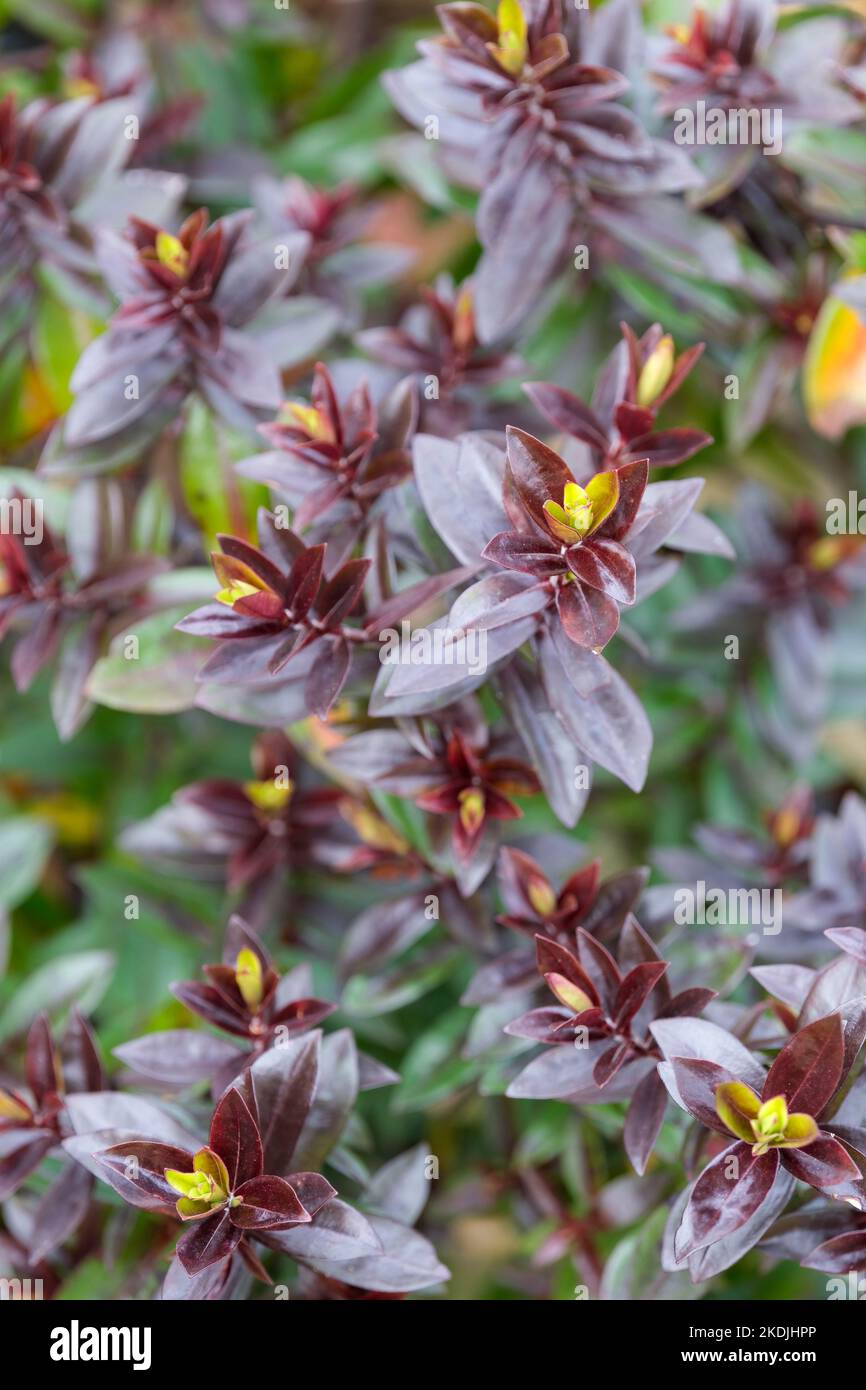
[(512, 50), (306, 417), (12, 1109), (464, 322), (205, 1188), (372, 829), (248, 975), (828, 552), (542, 897), (786, 826), (77, 87), (656, 371), (236, 590), (572, 996), (471, 809), (583, 508), (76, 820), (771, 1119), (269, 796), (171, 252), (773, 1127)]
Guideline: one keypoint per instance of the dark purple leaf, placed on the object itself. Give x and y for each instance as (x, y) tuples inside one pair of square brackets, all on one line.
[(605, 565), (140, 1165), (849, 939), (644, 1119), (823, 1163), (337, 1232), (840, 1255), (179, 1057), (235, 1137), (601, 968), (43, 1076), (609, 1063), (21, 1152), (590, 618), (807, 1070), (401, 604), (538, 1024), (728, 1193), (208, 1241), (60, 1211), (336, 1093), (313, 1190), (285, 1081), (539, 474), (405, 1262), (268, 1202), (635, 988), (82, 1064), (328, 675), (567, 412), (697, 1082)]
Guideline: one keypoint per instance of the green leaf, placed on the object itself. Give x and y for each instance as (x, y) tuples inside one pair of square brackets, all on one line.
[(159, 676), (217, 498), (25, 844), (632, 1271), (61, 335), (434, 1069), (153, 520), (394, 989), (55, 499), (832, 162), (54, 20), (80, 979)]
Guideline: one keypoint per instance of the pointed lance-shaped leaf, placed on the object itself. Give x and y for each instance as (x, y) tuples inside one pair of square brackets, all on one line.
[(632, 480), (606, 565), (539, 474), (209, 1241), (644, 1119), (637, 985), (268, 1202), (234, 1136), (42, 1063), (840, 1254), (285, 1080), (698, 1083), (726, 1195), (809, 1067), (824, 1163), (589, 617), (552, 958), (82, 1063), (601, 968), (569, 413), (143, 1163)]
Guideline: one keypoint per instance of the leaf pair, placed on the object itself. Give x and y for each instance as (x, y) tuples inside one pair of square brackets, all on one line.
[(224, 1192)]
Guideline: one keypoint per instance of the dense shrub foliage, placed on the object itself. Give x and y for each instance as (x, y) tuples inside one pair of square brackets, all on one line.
[(432, 559)]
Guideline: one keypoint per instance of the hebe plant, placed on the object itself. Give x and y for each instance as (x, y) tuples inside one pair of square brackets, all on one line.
[(429, 798)]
